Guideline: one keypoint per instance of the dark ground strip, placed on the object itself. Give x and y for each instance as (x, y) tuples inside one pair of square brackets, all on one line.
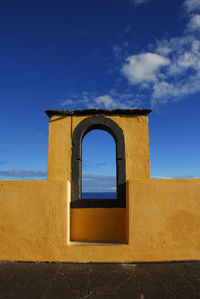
[(65, 280)]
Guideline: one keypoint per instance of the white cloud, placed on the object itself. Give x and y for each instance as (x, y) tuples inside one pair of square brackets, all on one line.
[(23, 173), (182, 76), (172, 177), (163, 48), (127, 29), (144, 67), (106, 100), (187, 60), (112, 100), (164, 91), (194, 23), (117, 50), (97, 182), (161, 177), (191, 5), (172, 69), (66, 102), (73, 100), (138, 2)]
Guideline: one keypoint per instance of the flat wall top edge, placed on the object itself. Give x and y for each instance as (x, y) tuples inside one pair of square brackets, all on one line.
[(98, 112)]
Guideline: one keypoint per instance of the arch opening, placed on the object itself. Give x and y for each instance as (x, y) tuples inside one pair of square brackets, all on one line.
[(84, 127), (98, 165)]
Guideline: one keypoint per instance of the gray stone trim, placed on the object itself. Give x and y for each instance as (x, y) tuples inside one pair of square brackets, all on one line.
[(98, 112), (85, 126)]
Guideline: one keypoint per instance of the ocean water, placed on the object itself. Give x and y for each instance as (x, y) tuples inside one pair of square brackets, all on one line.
[(98, 195)]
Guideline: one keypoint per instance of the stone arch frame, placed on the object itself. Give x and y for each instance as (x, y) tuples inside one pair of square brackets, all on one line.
[(85, 126)]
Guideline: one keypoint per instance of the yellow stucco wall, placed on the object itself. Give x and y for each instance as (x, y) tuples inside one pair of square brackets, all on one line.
[(98, 224), (59, 149), (164, 223), (135, 129), (165, 218), (161, 221), (33, 219)]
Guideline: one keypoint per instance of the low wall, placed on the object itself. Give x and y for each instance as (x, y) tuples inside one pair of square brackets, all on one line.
[(164, 223), (165, 218), (33, 219)]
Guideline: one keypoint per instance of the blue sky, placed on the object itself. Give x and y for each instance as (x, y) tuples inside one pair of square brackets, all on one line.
[(100, 54)]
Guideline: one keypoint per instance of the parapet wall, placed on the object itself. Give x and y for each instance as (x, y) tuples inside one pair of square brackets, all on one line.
[(33, 219), (163, 223), (165, 219)]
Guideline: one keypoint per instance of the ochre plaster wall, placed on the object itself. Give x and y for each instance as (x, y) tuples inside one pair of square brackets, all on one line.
[(135, 129), (165, 218), (161, 221), (33, 219), (164, 223), (98, 224), (59, 149)]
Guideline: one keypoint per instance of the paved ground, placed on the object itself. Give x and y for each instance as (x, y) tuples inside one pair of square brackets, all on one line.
[(63, 280)]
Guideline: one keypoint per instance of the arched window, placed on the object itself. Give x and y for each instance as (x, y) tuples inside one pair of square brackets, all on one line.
[(85, 126), (98, 165)]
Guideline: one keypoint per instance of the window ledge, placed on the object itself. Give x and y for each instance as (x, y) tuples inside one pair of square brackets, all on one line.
[(97, 243), (98, 203)]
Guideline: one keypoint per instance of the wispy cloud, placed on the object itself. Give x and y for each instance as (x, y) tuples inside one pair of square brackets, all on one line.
[(194, 23), (172, 75), (106, 100), (77, 99), (172, 177), (117, 51), (168, 70), (112, 100), (96, 182), (3, 162), (138, 2), (86, 165), (127, 29), (171, 70), (191, 5), (181, 78), (161, 177), (20, 173), (144, 67)]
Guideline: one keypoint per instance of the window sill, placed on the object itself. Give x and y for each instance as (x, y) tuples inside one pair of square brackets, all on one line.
[(97, 243), (98, 203)]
